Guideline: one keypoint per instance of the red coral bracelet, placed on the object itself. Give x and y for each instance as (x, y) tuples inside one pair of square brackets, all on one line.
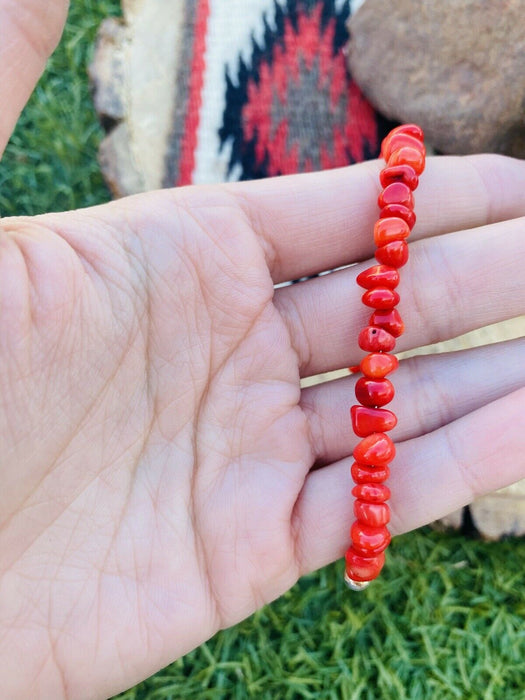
[(404, 152)]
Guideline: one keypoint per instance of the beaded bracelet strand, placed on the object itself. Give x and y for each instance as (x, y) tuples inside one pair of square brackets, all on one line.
[(404, 152)]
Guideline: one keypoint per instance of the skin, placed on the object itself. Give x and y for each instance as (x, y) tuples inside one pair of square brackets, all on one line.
[(157, 447)]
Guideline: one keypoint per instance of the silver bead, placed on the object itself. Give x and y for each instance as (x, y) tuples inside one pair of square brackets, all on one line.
[(356, 585)]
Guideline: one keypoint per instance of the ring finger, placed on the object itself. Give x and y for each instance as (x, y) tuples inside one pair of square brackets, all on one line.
[(431, 391)]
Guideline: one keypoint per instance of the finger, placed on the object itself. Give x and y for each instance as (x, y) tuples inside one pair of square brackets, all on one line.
[(431, 391), (452, 284), (29, 32), (431, 476), (320, 221)]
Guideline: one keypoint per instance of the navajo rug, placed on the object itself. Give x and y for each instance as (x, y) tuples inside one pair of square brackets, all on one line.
[(263, 89)]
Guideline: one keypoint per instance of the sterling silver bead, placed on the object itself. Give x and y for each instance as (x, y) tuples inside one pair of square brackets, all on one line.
[(355, 585)]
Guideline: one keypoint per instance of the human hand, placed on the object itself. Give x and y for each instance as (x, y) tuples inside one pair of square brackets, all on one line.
[(158, 450), (157, 447)]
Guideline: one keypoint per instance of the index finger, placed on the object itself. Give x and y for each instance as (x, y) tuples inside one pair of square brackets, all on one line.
[(321, 221)]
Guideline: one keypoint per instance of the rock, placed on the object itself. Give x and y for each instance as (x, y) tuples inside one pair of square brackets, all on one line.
[(454, 66)]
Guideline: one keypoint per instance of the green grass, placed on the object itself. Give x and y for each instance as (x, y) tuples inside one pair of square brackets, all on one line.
[(51, 161), (445, 620)]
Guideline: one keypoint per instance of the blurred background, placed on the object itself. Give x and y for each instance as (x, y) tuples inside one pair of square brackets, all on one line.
[(445, 619)]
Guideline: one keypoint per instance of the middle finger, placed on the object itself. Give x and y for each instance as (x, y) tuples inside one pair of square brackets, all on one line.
[(452, 284)]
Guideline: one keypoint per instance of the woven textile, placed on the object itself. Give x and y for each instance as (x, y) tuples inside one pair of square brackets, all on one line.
[(262, 89)]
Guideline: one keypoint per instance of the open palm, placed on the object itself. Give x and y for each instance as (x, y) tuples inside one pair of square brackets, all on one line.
[(163, 472)]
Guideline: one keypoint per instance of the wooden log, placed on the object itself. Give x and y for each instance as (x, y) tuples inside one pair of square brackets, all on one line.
[(133, 73)]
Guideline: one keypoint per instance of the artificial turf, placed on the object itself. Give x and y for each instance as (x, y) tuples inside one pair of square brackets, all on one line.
[(446, 618)]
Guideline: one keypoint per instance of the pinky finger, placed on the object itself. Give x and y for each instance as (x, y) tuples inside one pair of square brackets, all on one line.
[(431, 476)]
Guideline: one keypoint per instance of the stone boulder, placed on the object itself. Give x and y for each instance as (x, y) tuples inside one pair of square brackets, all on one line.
[(456, 67)]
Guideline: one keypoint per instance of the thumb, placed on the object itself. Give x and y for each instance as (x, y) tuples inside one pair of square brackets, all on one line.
[(29, 33)]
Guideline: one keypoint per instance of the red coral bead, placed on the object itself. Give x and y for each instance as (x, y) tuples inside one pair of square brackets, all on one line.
[(401, 212), (396, 141), (378, 275), (372, 339), (374, 392), (394, 253), (366, 421), (380, 298), (365, 474), (396, 193), (411, 129), (388, 229), (359, 568), (373, 514), (390, 320), (375, 450), (407, 155), (371, 493), (367, 540), (399, 173), (378, 365)]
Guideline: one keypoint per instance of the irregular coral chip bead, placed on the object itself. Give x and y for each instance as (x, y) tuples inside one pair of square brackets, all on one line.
[(407, 155), (380, 298), (359, 568), (396, 193), (399, 173), (378, 275), (366, 421), (399, 140), (400, 211), (372, 339), (411, 129), (374, 392), (392, 228), (376, 450), (390, 320), (367, 540), (372, 493), (378, 364), (364, 474), (373, 514), (394, 253)]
